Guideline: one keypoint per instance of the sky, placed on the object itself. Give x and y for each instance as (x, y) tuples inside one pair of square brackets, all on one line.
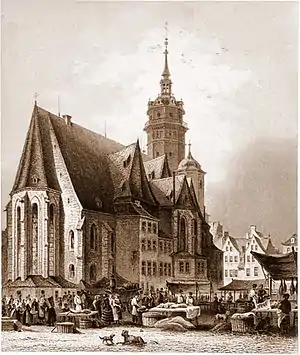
[(234, 64)]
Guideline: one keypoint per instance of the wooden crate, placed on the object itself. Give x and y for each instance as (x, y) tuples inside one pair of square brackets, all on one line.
[(242, 325), (65, 327), (150, 318)]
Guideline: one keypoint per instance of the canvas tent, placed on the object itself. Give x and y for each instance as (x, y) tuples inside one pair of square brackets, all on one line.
[(279, 267)]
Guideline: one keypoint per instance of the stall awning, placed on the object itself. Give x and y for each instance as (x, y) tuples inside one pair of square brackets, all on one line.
[(280, 267), (34, 281), (243, 285)]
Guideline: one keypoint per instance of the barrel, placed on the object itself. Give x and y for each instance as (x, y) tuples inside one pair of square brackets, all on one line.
[(85, 323), (65, 327)]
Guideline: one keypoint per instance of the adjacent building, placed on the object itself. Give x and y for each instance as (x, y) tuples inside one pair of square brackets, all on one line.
[(238, 261), (289, 244), (84, 207)]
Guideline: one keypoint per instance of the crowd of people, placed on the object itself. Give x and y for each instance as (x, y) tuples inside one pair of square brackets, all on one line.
[(30, 310)]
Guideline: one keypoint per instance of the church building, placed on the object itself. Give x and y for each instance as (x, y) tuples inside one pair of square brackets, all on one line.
[(84, 207)]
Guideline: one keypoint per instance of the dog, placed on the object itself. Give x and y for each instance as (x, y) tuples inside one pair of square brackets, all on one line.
[(132, 339), (108, 340)]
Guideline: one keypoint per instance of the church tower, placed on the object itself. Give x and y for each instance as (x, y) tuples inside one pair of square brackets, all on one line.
[(165, 127), (192, 169)]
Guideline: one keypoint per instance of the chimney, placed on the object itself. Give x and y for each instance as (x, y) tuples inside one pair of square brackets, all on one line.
[(68, 120), (252, 228), (226, 234)]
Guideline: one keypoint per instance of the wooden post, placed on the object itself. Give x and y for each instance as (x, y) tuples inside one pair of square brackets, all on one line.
[(270, 286)]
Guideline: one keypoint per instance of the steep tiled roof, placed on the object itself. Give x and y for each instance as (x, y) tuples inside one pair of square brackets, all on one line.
[(270, 249), (37, 156), (85, 155), (289, 241), (166, 186), (157, 168)]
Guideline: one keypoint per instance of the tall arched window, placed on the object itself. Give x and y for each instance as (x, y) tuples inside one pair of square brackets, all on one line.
[(182, 235), (93, 237), (93, 272), (51, 238), (113, 243), (51, 213), (34, 226), (71, 271), (195, 234), (18, 233), (72, 239)]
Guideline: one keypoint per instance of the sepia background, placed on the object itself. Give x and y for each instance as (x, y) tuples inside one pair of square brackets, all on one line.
[(234, 64)]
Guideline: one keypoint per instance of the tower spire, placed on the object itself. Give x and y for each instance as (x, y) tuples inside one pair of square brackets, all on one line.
[(166, 72), (165, 83)]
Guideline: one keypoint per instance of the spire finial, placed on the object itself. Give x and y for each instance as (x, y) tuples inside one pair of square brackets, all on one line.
[(58, 105), (35, 98), (166, 72), (189, 154)]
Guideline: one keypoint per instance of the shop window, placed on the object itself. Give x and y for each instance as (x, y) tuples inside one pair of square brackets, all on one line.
[(187, 267), (154, 268), (165, 269), (181, 266), (161, 271), (161, 246), (154, 228), (143, 268), (154, 246), (143, 245), (169, 270), (149, 268)]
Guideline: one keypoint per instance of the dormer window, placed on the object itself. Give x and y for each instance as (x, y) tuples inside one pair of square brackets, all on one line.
[(35, 179), (98, 202), (127, 161)]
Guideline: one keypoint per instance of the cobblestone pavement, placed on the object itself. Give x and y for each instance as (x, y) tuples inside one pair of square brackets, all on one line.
[(40, 338)]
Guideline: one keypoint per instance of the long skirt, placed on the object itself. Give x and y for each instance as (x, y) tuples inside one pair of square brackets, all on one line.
[(106, 317)]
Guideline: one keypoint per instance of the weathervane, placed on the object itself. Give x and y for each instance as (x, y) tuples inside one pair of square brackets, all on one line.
[(166, 38)]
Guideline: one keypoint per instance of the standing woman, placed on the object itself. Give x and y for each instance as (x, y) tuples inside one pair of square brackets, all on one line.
[(106, 312), (34, 311)]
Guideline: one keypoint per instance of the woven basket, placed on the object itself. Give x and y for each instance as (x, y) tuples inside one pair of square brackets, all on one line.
[(239, 325)]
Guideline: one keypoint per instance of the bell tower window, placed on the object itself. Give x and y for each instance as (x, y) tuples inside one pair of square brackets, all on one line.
[(182, 235)]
